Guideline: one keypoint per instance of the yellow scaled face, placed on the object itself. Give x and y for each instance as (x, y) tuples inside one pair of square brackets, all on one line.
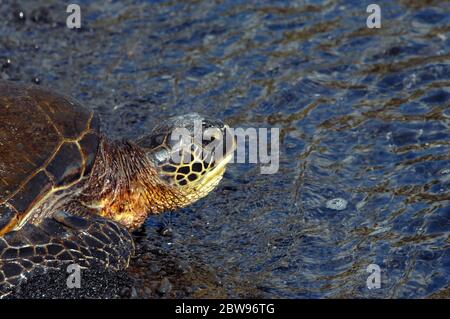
[(197, 169)]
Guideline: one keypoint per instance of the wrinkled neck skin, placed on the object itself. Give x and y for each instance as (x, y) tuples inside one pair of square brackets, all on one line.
[(125, 187)]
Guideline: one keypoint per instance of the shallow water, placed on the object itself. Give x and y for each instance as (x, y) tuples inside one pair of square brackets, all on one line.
[(364, 116)]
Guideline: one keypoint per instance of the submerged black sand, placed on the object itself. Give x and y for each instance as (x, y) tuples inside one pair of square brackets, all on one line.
[(364, 116)]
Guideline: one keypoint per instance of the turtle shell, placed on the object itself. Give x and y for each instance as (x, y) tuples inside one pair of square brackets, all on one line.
[(48, 142)]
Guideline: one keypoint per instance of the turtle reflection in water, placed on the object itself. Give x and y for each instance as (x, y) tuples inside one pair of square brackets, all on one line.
[(70, 195)]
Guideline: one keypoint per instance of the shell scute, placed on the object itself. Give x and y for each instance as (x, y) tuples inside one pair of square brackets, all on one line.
[(66, 165), (36, 186), (47, 140), (56, 107)]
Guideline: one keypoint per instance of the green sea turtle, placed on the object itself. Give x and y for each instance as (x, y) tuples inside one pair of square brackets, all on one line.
[(70, 195)]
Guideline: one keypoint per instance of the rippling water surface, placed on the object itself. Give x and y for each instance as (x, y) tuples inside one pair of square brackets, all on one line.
[(364, 116)]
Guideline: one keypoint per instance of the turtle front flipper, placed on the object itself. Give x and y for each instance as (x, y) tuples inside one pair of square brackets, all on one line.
[(62, 240)]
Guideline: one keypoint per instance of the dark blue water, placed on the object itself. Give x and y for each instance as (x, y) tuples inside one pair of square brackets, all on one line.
[(364, 116)]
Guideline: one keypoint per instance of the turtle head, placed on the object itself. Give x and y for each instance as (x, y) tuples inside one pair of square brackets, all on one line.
[(189, 154)]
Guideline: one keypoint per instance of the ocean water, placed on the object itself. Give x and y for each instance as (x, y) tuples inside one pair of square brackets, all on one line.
[(364, 116)]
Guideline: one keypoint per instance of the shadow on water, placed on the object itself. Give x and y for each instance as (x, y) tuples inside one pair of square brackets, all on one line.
[(364, 116)]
